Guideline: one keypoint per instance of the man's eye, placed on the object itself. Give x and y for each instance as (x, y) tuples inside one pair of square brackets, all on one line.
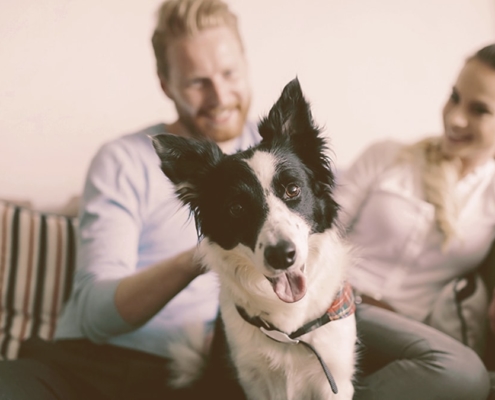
[(195, 83), (292, 191), (230, 74), (236, 209)]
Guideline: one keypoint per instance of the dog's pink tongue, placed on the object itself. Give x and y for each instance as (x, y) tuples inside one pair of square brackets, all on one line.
[(290, 286)]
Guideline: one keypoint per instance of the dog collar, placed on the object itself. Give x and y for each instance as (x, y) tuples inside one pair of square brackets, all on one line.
[(342, 306)]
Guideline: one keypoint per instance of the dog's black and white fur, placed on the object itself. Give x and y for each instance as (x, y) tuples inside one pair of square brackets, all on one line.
[(268, 225)]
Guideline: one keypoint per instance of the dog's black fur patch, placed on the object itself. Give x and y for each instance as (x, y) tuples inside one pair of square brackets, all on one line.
[(223, 193)]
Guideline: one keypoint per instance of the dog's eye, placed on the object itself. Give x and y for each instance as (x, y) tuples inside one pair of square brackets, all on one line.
[(236, 209), (292, 191)]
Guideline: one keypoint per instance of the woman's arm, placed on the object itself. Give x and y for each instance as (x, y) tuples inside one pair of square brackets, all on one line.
[(355, 183)]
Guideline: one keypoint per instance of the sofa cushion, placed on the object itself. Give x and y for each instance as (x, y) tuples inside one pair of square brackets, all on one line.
[(37, 261)]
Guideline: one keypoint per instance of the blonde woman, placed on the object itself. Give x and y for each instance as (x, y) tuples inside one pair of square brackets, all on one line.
[(421, 215)]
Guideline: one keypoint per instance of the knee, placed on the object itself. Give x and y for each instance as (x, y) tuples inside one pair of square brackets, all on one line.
[(459, 374)]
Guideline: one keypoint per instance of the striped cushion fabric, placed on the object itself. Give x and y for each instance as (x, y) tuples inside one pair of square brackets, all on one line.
[(37, 259)]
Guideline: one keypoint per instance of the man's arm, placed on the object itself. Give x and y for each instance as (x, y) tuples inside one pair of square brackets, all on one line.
[(140, 296), (111, 294)]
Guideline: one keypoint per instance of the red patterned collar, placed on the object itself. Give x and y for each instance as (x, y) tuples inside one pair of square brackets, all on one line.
[(342, 306)]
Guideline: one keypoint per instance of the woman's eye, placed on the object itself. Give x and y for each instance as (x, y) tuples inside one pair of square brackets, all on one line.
[(236, 209), (480, 109), (292, 191), (454, 96)]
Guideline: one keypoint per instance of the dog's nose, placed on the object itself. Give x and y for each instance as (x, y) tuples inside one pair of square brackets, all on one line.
[(280, 256)]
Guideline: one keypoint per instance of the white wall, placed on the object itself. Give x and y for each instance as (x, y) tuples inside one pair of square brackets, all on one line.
[(74, 74)]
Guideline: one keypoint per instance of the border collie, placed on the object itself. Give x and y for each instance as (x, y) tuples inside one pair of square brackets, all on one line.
[(267, 222)]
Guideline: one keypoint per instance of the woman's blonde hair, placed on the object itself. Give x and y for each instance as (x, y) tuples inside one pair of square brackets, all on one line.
[(179, 18), (441, 173)]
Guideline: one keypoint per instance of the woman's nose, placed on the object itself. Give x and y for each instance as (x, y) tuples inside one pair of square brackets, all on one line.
[(457, 117)]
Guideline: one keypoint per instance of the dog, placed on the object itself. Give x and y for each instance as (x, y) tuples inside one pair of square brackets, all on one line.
[(269, 228)]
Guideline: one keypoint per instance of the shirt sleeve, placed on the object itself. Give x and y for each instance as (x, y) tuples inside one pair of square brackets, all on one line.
[(355, 183), (110, 225)]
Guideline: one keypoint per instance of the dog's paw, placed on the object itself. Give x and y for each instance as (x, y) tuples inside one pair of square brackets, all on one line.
[(189, 354)]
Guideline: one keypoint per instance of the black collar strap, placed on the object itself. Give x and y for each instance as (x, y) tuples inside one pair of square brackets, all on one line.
[(342, 306)]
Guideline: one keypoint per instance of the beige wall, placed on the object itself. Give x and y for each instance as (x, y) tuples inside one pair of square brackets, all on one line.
[(74, 74)]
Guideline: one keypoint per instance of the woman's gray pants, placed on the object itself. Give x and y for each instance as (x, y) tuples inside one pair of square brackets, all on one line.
[(402, 359)]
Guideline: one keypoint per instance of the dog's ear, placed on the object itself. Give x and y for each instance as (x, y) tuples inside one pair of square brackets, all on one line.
[(290, 119), (290, 115), (184, 161)]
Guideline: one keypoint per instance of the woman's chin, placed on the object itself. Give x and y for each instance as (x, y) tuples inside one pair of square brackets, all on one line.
[(454, 148)]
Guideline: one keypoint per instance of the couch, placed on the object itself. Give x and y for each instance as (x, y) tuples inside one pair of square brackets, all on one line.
[(37, 262)]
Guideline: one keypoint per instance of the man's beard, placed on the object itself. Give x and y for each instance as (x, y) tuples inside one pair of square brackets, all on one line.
[(198, 126)]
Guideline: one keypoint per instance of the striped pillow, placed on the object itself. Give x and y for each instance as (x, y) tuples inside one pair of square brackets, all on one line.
[(37, 260)]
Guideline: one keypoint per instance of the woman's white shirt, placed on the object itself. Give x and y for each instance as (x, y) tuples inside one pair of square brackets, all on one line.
[(399, 247)]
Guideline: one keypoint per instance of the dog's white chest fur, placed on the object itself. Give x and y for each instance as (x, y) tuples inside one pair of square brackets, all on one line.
[(268, 370)]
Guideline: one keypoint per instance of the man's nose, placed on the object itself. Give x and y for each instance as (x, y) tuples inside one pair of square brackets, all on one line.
[(219, 92)]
